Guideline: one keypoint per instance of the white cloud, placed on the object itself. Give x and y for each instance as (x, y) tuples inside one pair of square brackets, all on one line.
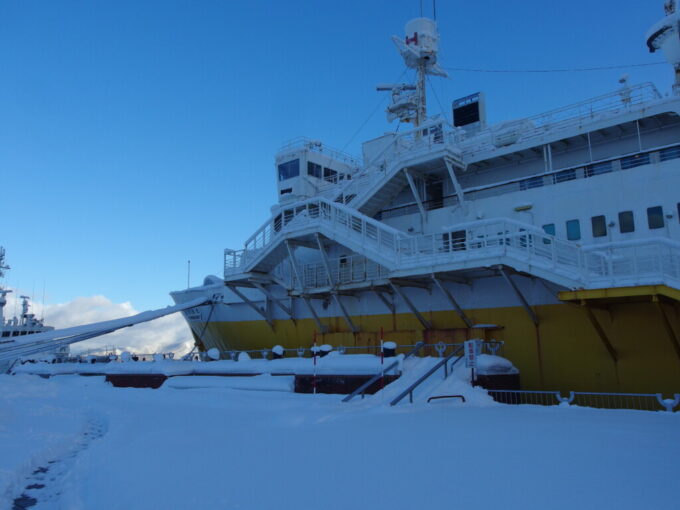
[(167, 334)]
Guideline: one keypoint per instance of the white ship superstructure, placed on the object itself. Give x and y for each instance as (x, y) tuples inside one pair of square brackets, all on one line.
[(558, 233), (24, 324)]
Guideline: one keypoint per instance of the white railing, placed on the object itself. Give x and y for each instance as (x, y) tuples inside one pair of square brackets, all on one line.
[(369, 233), (344, 270), (487, 242), (563, 118), (303, 142)]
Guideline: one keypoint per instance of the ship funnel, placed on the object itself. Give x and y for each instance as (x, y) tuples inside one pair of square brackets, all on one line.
[(665, 36)]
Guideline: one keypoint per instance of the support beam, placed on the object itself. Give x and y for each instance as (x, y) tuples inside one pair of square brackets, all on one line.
[(410, 283), (416, 195), (252, 305), (274, 299), (346, 316), (454, 181), (668, 326), (324, 258), (385, 301), (601, 332), (426, 324), (453, 302), (519, 295), (308, 302), (293, 264)]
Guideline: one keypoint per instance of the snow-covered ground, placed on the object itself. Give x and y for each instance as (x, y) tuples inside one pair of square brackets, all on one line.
[(93, 446)]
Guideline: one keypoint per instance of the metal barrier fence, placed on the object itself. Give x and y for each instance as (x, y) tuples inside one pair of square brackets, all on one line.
[(439, 349), (600, 400)]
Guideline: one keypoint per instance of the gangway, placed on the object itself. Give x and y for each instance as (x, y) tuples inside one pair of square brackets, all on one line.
[(447, 371), (361, 389), (49, 340)]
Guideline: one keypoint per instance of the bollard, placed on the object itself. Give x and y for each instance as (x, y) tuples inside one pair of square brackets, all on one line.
[(278, 352)]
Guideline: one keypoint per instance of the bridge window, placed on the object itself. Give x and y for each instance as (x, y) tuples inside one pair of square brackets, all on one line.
[(626, 222), (289, 169), (573, 230), (655, 217), (633, 161), (285, 191), (314, 169), (330, 175), (599, 224)]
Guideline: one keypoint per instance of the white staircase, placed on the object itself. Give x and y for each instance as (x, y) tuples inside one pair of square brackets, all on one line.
[(480, 244)]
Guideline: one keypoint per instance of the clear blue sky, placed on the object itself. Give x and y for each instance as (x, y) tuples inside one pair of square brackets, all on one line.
[(135, 135)]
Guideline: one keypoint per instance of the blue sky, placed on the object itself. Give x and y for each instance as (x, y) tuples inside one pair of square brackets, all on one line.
[(137, 135)]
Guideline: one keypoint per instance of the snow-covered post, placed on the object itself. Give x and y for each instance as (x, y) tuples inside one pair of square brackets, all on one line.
[(382, 359), (314, 357)]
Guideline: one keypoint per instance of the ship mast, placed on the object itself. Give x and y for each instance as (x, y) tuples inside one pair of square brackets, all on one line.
[(3, 292), (419, 50)]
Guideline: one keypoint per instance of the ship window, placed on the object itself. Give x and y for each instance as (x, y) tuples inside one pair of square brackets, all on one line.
[(5, 333), (330, 175), (598, 169), (626, 222), (669, 153), (532, 182), (564, 175), (550, 230), (633, 161), (573, 230), (23, 333), (314, 169), (655, 217), (599, 226), (15, 333), (286, 190), (289, 169)]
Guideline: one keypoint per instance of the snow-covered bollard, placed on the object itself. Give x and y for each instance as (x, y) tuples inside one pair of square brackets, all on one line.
[(158, 357), (125, 356), (243, 356), (389, 349), (213, 353), (277, 352), (324, 350)]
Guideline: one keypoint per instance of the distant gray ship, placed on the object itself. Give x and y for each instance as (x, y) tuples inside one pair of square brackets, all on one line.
[(26, 324)]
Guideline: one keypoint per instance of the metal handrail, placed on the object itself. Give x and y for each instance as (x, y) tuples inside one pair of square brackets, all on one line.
[(377, 376), (409, 391)]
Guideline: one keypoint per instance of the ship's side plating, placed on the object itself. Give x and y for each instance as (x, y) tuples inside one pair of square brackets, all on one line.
[(558, 234)]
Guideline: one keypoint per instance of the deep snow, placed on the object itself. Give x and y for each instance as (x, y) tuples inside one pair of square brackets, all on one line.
[(217, 447)]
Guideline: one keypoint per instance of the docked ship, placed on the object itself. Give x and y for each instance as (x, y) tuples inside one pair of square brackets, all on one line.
[(558, 234), (24, 324)]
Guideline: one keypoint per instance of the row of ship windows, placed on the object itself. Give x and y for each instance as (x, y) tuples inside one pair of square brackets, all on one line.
[(603, 167), (291, 169), (5, 334), (655, 220)]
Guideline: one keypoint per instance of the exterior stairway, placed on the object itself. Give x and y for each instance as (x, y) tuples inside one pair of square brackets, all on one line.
[(479, 244)]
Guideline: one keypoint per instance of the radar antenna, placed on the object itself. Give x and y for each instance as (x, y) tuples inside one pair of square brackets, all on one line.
[(3, 266), (419, 50)]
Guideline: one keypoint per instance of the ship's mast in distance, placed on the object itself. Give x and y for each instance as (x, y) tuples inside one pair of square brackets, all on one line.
[(3, 292), (419, 51), (665, 36)]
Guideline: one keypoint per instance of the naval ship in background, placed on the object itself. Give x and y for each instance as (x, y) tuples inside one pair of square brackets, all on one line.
[(25, 324), (558, 234)]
